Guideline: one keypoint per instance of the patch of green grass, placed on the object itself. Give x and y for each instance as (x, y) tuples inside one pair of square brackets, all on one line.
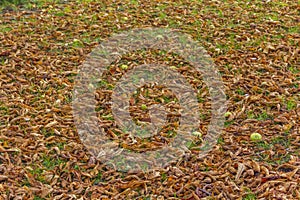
[(294, 29), (283, 141), (28, 4), (277, 3), (71, 77), (171, 133), (38, 198), (277, 37), (273, 16), (278, 158), (4, 28), (3, 59), (76, 43), (85, 1), (200, 99), (25, 182), (281, 159), (97, 179), (291, 105), (98, 108), (264, 116), (37, 172), (263, 144), (256, 42), (164, 99), (3, 109), (13, 2), (68, 98), (203, 116), (294, 69), (47, 132), (250, 115), (108, 117), (51, 163), (220, 140), (134, 2), (164, 177), (228, 123), (61, 14), (240, 91), (249, 196), (222, 47), (261, 116), (105, 84), (162, 15), (190, 144), (296, 85)]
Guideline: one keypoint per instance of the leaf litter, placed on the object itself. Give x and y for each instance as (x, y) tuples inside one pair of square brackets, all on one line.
[(255, 46)]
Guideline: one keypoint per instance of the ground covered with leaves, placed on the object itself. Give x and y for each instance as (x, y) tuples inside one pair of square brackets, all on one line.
[(255, 47)]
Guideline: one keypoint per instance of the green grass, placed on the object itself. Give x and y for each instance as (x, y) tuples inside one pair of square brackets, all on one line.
[(46, 132), (240, 91), (51, 163), (164, 177), (294, 29), (25, 182), (3, 109), (4, 28), (274, 143), (294, 69), (108, 117), (76, 43), (171, 133), (27, 4), (263, 145), (13, 2), (190, 144), (261, 116), (291, 105), (283, 141), (105, 84), (38, 173), (264, 116), (97, 179), (85, 1), (250, 197), (220, 140), (38, 198), (228, 123)]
